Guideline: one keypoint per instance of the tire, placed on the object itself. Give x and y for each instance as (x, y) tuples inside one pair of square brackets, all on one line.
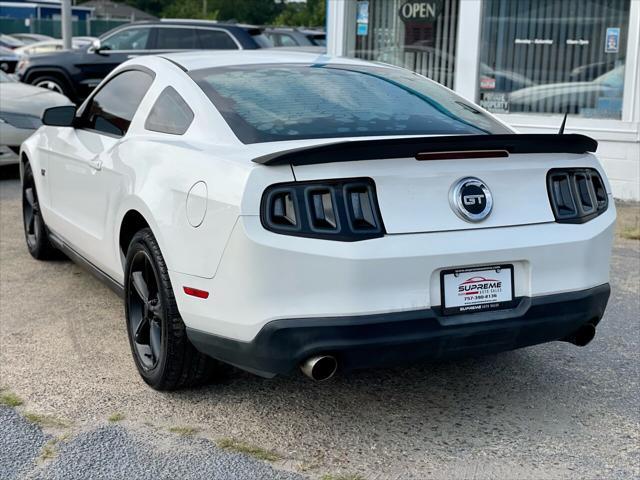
[(53, 83), (35, 230), (163, 355)]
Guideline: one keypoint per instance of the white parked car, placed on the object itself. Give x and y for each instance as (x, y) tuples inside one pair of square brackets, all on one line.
[(275, 210), (49, 46), (21, 108)]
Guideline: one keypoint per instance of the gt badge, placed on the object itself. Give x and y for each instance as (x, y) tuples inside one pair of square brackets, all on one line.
[(471, 199)]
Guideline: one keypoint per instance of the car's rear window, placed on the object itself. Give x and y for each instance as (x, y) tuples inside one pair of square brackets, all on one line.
[(265, 103)]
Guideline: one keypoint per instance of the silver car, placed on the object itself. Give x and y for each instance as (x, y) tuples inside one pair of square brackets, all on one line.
[(21, 108)]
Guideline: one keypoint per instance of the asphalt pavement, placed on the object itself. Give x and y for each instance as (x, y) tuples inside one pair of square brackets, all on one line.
[(553, 411)]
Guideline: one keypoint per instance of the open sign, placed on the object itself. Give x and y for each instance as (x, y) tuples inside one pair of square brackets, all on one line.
[(420, 11)]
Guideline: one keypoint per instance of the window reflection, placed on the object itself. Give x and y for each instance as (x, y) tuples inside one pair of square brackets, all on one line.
[(554, 56), (418, 35)]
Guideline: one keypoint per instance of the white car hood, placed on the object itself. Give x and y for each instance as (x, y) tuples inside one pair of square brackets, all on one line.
[(27, 99)]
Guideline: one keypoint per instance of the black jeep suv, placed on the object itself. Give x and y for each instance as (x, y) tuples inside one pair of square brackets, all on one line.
[(76, 72)]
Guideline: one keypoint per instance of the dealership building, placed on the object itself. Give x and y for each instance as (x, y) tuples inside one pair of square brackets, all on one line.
[(527, 61)]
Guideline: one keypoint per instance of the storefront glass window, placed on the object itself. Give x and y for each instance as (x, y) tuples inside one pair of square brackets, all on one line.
[(416, 34), (554, 56)]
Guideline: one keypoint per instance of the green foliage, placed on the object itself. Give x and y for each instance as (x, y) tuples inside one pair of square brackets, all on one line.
[(257, 12), (45, 420), (354, 476), (10, 399), (190, 9), (184, 431), (116, 417), (254, 451), (154, 7), (309, 14)]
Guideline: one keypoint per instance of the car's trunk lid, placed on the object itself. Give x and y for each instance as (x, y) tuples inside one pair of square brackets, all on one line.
[(416, 195)]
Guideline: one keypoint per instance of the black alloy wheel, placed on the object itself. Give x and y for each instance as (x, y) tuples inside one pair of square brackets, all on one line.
[(146, 313), (163, 355), (30, 213), (35, 232)]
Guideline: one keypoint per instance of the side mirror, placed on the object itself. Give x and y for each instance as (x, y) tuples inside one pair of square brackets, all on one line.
[(63, 116), (96, 45)]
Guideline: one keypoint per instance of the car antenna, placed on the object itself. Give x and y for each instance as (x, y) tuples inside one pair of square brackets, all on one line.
[(564, 122)]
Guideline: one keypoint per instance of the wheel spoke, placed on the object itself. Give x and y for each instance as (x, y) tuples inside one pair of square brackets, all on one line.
[(36, 226), (30, 222), (28, 194), (140, 286), (141, 334), (154, 339), (145, 311)]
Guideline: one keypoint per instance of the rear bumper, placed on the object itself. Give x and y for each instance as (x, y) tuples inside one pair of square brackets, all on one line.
[(263, 276), (380, 340)]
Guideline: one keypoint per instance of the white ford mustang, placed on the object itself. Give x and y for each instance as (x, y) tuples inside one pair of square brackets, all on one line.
[(276, 210)]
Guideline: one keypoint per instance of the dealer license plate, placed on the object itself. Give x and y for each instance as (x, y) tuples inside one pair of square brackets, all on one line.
[(477, 289)]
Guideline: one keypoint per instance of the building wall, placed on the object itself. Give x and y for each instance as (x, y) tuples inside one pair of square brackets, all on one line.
[(35, 10), (618, 138)]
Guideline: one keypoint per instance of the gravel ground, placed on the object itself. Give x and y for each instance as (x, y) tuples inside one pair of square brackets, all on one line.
[(548, 412), (21, 443), (116, 452)]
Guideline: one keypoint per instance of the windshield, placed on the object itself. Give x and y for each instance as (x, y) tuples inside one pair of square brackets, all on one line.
[(264, 103), (10, 41)]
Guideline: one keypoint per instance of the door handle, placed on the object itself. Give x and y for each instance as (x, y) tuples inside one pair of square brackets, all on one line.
[(96, 164)]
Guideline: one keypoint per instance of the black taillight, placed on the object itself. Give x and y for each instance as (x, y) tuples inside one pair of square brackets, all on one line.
[(344, 210), (283, 210), (576, 194)]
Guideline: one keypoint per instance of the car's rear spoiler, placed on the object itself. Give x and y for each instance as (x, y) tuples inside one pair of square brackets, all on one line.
[(352, 150)]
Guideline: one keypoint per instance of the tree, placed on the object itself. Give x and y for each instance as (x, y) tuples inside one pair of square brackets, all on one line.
[(154, 7), (257, 12), (190, 9), (312, 13)]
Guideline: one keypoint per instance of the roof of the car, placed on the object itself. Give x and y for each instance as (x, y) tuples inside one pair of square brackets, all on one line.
[(178, 21), (306, 31), (198, 59)]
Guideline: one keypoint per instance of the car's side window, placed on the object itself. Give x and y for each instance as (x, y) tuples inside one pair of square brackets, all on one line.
[(170, 114), (216, 40), (111, 110), (287, 41), (171, 38), (275, 39), (127, 39)]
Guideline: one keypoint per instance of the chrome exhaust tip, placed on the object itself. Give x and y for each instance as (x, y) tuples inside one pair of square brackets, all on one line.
[(583, 335), (320, 367)]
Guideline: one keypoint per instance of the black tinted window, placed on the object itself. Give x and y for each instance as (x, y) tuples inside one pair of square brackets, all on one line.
[(113, 107), (177, 39), (170, 114), (292, 102), (216, 40)]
